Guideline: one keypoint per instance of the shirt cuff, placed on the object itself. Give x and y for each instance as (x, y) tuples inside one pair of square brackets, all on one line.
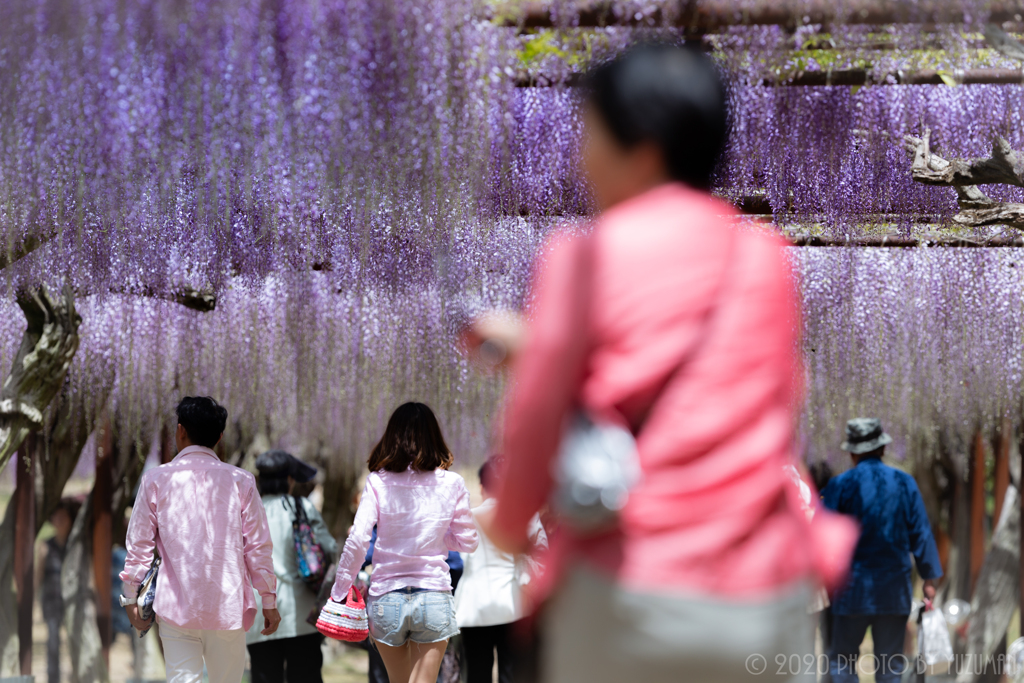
[(337, 596), (130, 590), (269, 601)]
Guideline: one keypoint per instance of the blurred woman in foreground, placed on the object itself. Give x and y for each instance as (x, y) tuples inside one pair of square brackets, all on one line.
[(670, 321)]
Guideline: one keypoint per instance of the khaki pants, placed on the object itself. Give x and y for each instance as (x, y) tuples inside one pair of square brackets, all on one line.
[(186, 649), (596, 631)]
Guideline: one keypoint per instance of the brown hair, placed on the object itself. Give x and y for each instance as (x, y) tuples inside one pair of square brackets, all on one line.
[(412, 439)]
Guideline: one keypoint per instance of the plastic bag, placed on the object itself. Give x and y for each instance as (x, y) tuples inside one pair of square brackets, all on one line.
[(936, 647)]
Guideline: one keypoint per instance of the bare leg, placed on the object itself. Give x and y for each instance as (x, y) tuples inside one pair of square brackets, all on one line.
[(413, 662), (426, 660), (396, 660)]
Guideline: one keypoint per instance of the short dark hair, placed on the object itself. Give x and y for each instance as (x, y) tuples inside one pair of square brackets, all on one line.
[(877, 453), (203, 419), (821, 474), (489, 473), (69, 505), (267, 485), (412, 439), (272, 472), (670, 95)]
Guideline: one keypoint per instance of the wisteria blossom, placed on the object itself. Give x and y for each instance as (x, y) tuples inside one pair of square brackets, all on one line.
[(353, 180)]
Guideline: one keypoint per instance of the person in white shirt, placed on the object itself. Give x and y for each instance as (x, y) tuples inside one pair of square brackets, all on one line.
[(292, 652), (489, 598)]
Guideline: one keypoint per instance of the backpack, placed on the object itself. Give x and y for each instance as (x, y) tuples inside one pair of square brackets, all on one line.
[(309, 554)]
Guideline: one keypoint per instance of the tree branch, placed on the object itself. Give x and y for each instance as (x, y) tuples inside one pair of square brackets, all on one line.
[(25, 246), (1004, 167), (203, 301)]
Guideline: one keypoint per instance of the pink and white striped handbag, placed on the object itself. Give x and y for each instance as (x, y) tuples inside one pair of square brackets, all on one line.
[(345, 620)]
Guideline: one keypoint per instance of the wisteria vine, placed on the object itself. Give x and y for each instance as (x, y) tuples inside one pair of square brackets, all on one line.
[(353, 179)]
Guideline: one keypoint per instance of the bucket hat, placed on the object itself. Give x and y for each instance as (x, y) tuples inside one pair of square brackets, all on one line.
[(864, 434)]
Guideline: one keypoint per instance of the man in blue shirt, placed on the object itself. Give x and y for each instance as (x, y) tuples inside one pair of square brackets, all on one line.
[(894, 526)]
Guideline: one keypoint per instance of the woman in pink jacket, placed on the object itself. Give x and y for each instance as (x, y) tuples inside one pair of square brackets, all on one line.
[(672, 322), (421, 511)]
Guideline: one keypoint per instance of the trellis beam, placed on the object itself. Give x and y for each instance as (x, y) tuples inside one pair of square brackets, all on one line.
[(842, 77), (709, 16), (860, 77), (904, 242)]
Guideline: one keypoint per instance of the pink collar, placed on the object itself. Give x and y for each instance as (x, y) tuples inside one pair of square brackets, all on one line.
[(196, 450)]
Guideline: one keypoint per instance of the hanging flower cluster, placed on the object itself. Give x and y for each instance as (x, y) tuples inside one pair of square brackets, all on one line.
[(931, 340), (354, 179), (160, 145), (834, 157), (326, 169)]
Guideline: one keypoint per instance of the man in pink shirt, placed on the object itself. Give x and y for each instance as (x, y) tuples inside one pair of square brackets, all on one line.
[(205, 520)]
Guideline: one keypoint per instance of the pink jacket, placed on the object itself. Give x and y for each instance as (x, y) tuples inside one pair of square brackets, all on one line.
[(712, 513), (206, 520)]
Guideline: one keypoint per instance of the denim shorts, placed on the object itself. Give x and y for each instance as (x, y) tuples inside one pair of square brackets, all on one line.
[(416, 614)]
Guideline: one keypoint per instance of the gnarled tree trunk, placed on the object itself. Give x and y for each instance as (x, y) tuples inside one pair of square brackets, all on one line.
[(59, 447), (997, 593), (38, 372), (39, 368), (84, 644)]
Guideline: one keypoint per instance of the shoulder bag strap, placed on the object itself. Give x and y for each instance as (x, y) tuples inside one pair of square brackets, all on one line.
[(300, 509), (299, 512)]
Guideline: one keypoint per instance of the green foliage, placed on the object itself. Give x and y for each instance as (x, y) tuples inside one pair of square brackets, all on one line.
[(575, 48)]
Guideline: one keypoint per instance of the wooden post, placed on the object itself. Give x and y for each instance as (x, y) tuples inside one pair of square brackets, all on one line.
[(167, 446), (24, 549), (1020, 483), (977, 507), (102, 535), (1002, 468)]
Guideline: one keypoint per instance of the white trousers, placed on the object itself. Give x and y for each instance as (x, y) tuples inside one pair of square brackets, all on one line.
[(185, 649)]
